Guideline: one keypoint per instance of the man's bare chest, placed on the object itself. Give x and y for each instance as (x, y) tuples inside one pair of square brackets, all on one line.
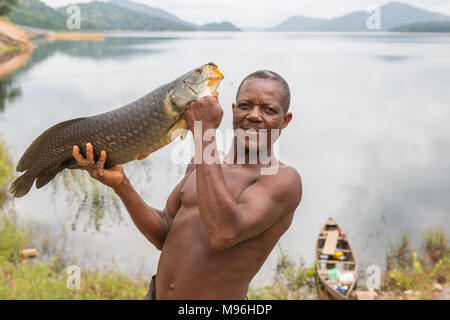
[(237, 179)]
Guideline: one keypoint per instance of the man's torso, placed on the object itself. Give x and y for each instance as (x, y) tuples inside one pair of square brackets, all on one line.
[(190, 268)]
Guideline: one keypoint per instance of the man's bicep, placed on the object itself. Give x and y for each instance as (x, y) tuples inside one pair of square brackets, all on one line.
[(267, 201)]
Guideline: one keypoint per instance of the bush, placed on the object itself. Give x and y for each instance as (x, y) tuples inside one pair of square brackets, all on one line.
[(406, 270), (6, 174), (13, 238), (292, 280), (399, 255), (436, 245)]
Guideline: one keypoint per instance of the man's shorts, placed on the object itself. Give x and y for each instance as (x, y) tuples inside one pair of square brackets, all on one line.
[(151, 293)]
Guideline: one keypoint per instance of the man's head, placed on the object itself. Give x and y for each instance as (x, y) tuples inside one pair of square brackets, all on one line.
[(262, 102), (270, 75)]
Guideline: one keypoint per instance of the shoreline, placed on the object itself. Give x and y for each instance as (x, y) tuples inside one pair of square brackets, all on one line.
[(15, 48)]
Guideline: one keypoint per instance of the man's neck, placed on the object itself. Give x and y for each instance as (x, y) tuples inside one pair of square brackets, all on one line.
[(250, 157)]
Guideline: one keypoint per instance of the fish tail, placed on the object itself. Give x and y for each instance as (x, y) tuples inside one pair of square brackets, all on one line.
[(47, 176), (29, 156), (21, 186)]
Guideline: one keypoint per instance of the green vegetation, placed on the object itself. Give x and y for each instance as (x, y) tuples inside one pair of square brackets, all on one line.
[(113, 15), (407, 275), (9, 92), (6, 6), (37, 279), (34, 13), (41, 278), (6, 173), (9, 48), (407, 271), (293, 280)]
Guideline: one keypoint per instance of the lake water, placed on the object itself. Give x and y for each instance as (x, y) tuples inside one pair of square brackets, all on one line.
[(370, 133)]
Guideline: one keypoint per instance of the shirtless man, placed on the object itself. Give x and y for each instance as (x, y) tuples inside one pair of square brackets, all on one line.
[(222, 220)]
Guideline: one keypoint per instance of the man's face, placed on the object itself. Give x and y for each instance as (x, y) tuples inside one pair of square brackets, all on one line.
[(259, 106)]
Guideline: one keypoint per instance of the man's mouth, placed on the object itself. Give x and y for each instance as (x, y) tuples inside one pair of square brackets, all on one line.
[(254, 131)]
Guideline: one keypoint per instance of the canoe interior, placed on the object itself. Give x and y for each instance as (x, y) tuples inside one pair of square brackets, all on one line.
[(327, 262)]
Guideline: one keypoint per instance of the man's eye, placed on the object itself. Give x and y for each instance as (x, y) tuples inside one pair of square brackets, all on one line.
[(271, 110), (243, 106)]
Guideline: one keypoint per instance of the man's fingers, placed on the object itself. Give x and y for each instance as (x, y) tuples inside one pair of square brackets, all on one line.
[(78, 157), (101, 162), (90, 154), (215, 94)]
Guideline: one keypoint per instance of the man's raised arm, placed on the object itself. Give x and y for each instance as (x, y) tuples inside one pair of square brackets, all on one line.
[(153, 223), (228, 221)]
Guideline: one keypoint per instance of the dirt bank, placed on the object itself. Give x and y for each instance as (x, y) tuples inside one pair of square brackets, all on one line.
[(15, 48)]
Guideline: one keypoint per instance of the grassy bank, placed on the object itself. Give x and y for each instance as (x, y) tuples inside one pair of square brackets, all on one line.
[(39, 278), (417, 275), (22, 278)]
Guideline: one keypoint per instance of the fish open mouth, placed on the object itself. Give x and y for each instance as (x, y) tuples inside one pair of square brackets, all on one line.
[(215, 76)]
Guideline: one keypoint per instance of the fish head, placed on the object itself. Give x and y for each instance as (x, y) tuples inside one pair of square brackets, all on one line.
[(199, 82)]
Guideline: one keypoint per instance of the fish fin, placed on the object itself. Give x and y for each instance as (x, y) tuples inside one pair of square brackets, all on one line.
[(45, 178), (178, 129), (28, 155), (21, 186), (142, 156)]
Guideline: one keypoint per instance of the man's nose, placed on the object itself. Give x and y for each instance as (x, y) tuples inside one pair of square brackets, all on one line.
[(254, 114)]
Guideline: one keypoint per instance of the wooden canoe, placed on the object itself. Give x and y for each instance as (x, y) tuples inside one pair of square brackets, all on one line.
[(331, 243)]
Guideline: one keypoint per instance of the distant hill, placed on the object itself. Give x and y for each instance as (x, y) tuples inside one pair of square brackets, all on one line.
[(36, 14), (106, 16), (157, 12), (95, 16), (143, 8), (433, 26), (393, 14), (112, 15), (298, 23), (223, 26)]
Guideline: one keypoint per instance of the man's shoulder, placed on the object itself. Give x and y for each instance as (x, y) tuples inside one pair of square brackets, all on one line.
[(284, 173), (285, 182), (283, 188)]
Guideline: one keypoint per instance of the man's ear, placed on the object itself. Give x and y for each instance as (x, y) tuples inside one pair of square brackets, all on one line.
[(287, 119), (233, 105)]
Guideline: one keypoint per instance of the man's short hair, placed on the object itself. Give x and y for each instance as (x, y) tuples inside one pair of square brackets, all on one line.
[(271, 75)]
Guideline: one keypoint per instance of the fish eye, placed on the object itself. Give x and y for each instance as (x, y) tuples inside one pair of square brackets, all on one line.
[(198, 71)]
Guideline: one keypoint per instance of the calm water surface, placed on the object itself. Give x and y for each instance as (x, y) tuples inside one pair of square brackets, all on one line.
[(369, 136)]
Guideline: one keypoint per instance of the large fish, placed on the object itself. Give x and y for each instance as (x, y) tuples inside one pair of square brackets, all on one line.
[(128, 133)]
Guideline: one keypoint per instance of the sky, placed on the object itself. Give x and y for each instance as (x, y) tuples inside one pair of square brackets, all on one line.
[(257, 13)]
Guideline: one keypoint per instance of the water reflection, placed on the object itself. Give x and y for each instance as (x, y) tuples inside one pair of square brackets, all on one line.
[(393, 58), (9, 92), (93, 205), (110, 48)]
